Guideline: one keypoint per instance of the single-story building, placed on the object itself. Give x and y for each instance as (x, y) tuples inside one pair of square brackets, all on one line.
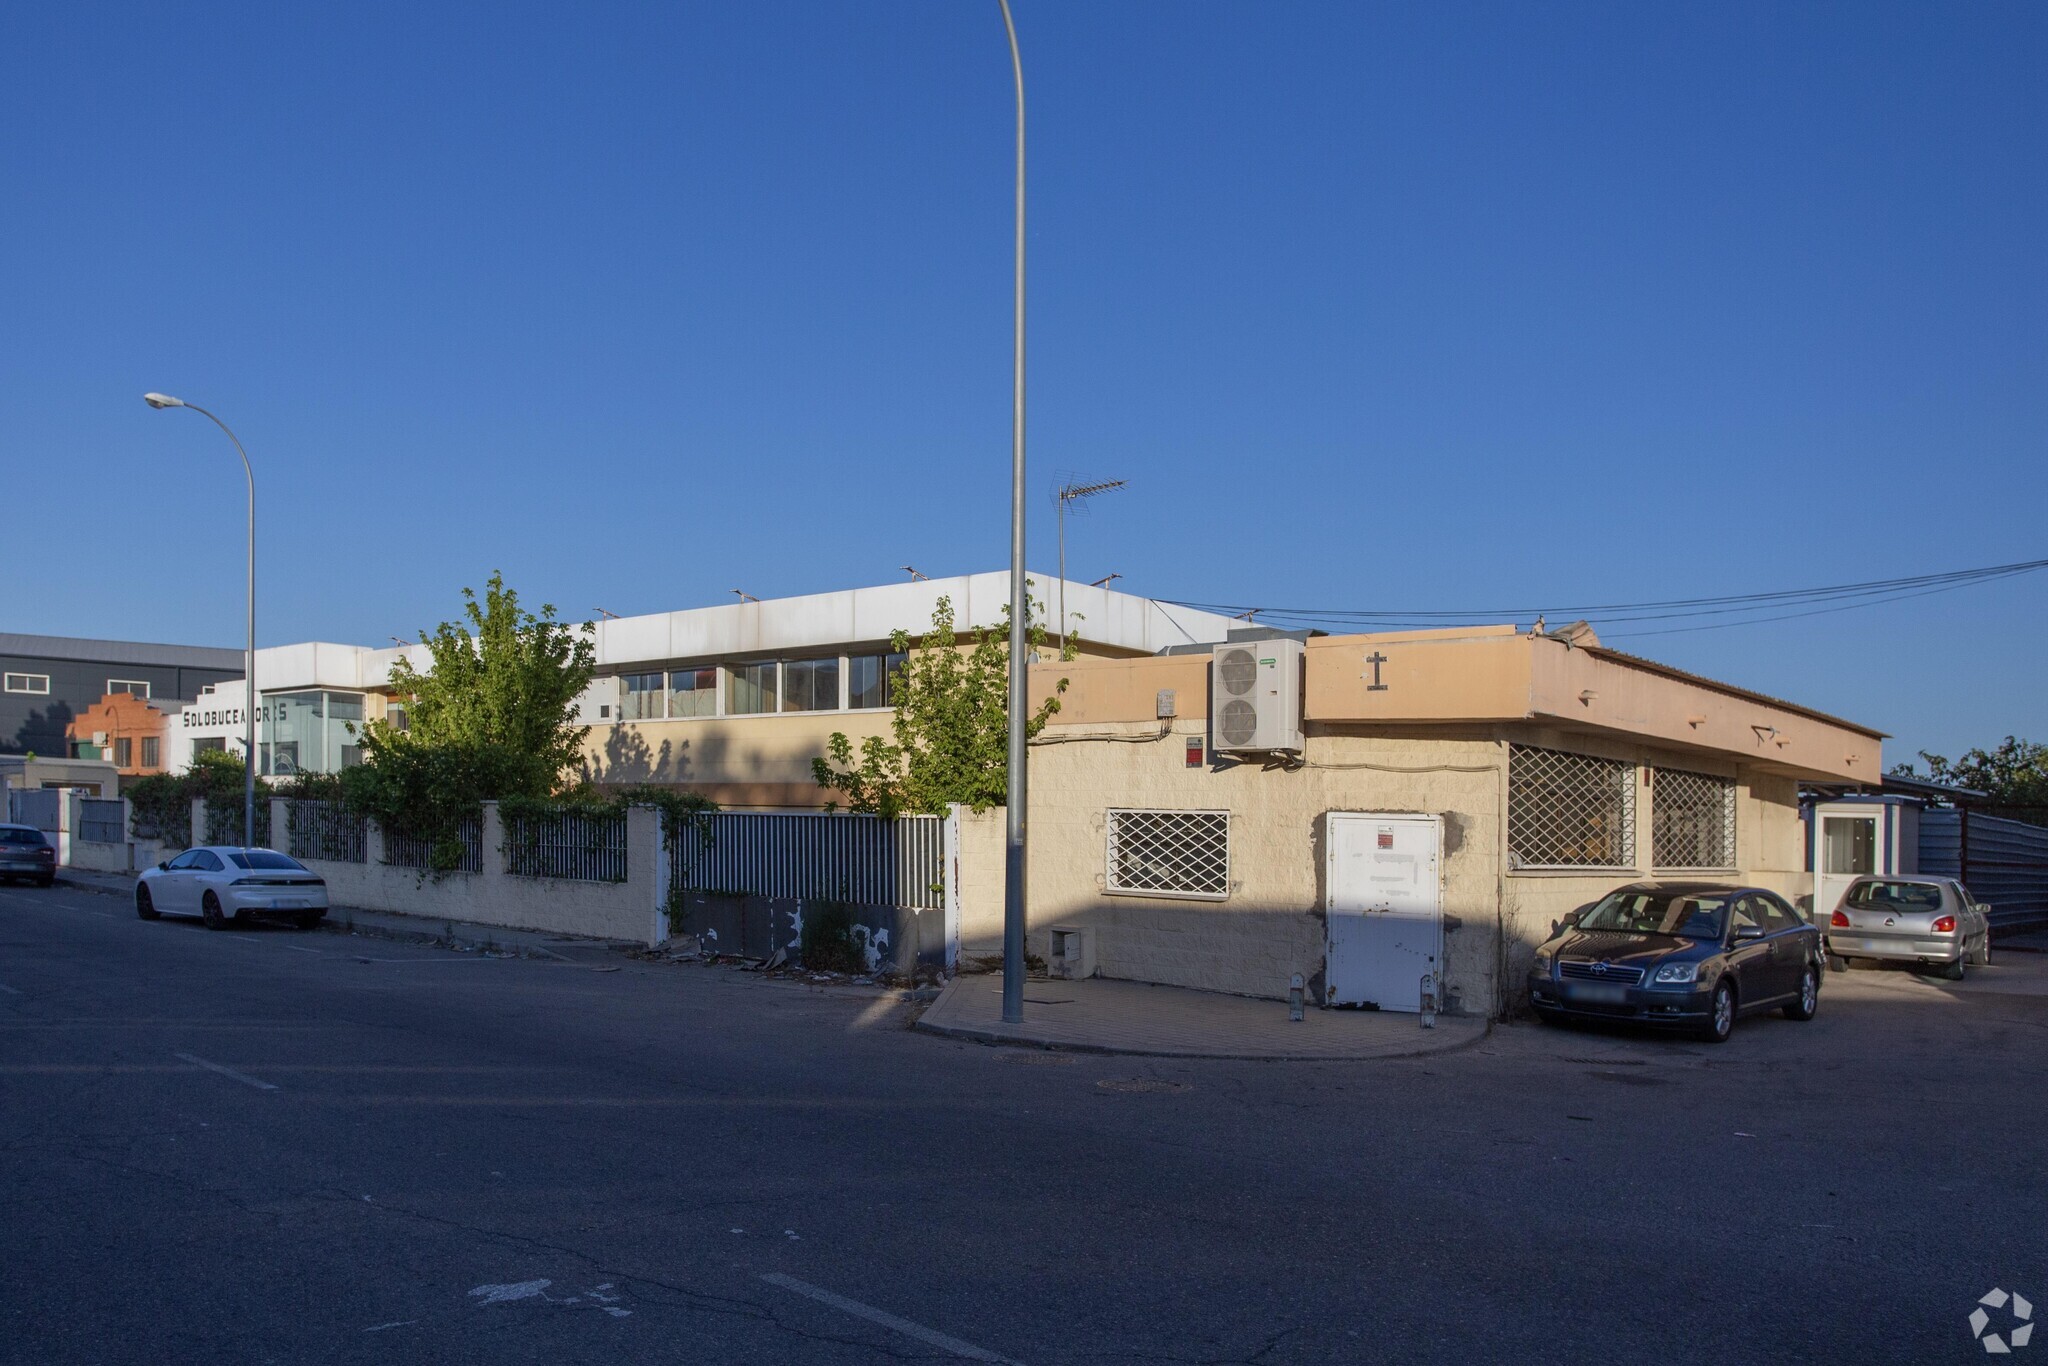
[(1430, 803)]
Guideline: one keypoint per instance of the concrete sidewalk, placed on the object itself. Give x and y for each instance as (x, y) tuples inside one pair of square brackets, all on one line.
[(1099, 1016), (414, 929)]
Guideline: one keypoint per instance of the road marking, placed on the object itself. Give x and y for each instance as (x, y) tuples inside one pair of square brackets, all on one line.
[(378, 1328), (9, 990), (930, 1337), (293, 947), (228, 1072)]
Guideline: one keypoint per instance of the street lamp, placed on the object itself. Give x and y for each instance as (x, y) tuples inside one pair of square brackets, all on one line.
[(249, 665), (1014, 793), (1074, 493)]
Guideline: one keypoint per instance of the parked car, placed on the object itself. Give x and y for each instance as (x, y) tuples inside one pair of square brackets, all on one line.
[(219, 883), (1687, 955), (24, 853), (1931, 922)]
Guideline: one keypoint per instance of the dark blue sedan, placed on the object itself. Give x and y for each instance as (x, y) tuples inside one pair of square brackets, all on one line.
[(1687, 955)]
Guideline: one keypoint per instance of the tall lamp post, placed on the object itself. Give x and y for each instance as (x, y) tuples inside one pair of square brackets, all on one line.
[(249, 664), (1014, 793)]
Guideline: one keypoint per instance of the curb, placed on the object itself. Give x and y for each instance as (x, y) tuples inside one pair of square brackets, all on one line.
[(975, 1034)]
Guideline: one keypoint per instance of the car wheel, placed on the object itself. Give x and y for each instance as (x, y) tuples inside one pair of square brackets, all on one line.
[(46, 881), (1952, 972), (1809, 996), (1720, 1014), (144, 907), (1982, 957), (210, 912), (309, 920)]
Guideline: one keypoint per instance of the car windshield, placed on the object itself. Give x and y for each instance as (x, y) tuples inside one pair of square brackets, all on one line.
[(265, 858), (20, 837), (1894, 896), (1688, 916)]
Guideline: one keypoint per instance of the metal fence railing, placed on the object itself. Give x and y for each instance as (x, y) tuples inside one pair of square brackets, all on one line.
[(101, 821), (814, 855), (412, 851), (326, 830), (573, 845), (224, 823)]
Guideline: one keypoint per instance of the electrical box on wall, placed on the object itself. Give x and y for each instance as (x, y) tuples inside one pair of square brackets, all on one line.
[(1255, 697)]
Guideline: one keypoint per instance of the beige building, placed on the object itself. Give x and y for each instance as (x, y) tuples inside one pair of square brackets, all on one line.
[(1510, 777), (735, 701)]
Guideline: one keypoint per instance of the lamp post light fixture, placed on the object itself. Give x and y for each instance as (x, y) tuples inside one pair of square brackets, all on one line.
[(161, 401)]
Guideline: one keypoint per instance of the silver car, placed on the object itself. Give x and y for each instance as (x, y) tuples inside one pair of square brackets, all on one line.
[(1928, 921), (221, 883)]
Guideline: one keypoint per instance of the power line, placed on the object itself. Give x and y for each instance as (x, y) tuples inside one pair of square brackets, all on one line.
[(1746, 607)]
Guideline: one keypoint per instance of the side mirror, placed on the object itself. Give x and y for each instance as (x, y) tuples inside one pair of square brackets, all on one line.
[(1570, 921), (1743, 932), (164, 867), (1983, 909)]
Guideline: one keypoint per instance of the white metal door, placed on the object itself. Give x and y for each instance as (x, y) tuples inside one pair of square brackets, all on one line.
[(1385, 909), (1848, 849)]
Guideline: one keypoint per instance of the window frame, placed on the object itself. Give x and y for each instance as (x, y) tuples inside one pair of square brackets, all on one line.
[(1626, 837), (735, 673), (1109, 852), (25, 684), (1729, 821), (810, 663), (659, 692), (128, 685)]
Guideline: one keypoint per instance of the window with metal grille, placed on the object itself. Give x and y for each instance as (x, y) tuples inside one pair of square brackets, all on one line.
[(1169, 853), (1692, 820), (1570, 810)]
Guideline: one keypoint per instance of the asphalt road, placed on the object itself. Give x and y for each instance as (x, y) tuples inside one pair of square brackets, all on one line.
[(267, 1146)]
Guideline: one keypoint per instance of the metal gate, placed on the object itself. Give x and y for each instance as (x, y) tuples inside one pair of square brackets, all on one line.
[(1385, 910), (40, 807)]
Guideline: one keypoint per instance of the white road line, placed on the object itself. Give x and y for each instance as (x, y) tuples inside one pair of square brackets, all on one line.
[(9, 990), (228, 1072), (928, 1336), (268, 944)]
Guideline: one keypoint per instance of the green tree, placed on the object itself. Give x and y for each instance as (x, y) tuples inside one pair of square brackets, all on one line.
[(492, 718), (501, 688), (951, 725), (2015, 773)]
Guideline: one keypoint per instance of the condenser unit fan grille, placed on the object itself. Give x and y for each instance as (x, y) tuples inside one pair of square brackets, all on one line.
[(1237, 672), (1239, 722)]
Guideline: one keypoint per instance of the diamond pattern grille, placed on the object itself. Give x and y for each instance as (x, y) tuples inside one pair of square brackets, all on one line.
[(1570, 810), (1692, 820), (1170, 853)]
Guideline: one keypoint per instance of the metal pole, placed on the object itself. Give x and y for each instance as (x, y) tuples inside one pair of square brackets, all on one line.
[(249, 660), (1013, 850)]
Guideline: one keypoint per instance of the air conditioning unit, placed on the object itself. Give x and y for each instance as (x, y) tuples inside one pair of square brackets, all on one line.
[(1255, 696)]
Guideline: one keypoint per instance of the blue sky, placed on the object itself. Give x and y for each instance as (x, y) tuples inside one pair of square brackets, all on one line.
[(1390, 307)]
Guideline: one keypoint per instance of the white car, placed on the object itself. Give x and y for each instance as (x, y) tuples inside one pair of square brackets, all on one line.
[(220, 883)]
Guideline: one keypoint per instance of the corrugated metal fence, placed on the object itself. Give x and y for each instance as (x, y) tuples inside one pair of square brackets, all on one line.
[(39, 807), (101, 821), (2002, 862), (572, 845), (860, 859)]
